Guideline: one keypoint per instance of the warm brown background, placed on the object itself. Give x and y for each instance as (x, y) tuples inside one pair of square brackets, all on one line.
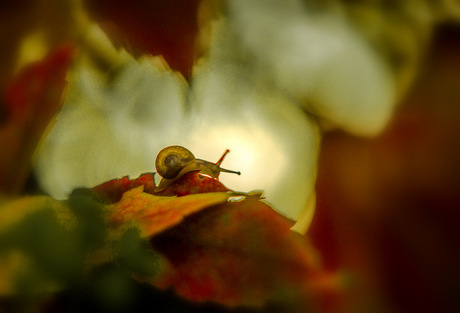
[(389, 207)]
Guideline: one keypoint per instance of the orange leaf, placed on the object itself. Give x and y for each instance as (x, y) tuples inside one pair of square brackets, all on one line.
[(154, 214)]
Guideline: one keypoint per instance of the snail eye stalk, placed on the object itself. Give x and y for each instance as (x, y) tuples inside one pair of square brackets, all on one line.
[(219, 162)]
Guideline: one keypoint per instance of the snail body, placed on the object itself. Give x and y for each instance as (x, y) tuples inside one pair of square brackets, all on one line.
[(173, 162)]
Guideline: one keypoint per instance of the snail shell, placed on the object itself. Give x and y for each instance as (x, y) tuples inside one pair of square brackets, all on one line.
[(171, 160)]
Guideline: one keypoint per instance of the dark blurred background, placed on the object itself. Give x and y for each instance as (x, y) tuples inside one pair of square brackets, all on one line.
[(389, 207)]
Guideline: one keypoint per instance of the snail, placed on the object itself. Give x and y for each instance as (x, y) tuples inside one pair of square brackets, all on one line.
[(173, 162)]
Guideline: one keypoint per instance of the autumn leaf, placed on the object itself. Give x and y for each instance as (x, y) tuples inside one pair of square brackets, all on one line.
[(153, 214), (193, 183), (113, 190), (237, 253), (166, 28), (190, 183), (31, 99), (231, 253)]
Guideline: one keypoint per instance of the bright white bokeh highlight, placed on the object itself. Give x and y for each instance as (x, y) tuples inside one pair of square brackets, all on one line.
[(272, 72)]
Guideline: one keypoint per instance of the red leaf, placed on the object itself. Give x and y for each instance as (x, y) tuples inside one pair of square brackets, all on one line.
[(157, 27), (31, 100), (239, 253), (113, 190), (190, 183)]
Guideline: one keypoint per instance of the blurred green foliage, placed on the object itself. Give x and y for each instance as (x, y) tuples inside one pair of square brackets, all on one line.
[(61, 244)]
